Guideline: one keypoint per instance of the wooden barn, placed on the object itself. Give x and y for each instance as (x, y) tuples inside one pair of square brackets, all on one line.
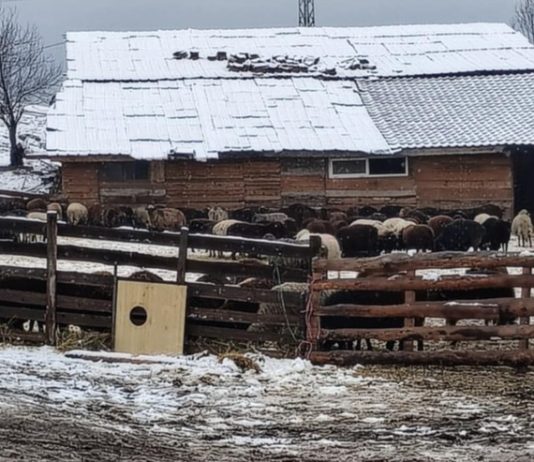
[(428, 116)]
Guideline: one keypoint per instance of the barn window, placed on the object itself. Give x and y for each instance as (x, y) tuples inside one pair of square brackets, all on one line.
[(126, 171), (359, 168)]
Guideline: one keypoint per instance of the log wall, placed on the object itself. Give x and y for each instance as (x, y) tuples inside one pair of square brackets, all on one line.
[(444, 181)]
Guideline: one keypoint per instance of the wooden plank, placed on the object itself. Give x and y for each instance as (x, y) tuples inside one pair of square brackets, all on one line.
[(409, 322), (182, 257), (22, 194), (369, 193), (233, 316), (162, 331), (251, 268), (242, 294), (402, 284), (443, 260), (425, 358), (51, 281), (459, 309), (447, 333), (525, 320), (64, 302), (238, 335)]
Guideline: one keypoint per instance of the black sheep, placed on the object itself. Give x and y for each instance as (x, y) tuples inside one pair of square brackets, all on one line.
[(418, 237), (201, 226), (362, 298), (497, 234), (358, 241), (257, 230), (460, 235), (365, 211), (478, 294), (391, 211)]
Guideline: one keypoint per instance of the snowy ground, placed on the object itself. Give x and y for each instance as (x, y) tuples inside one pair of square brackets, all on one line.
[(31, 133), (199, 409), (38, 175)]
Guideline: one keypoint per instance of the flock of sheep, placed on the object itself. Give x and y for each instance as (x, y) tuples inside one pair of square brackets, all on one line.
[(351, 233), (355, 232)]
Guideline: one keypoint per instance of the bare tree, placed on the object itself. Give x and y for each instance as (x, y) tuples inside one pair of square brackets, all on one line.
[(524, 18), (27, 75)]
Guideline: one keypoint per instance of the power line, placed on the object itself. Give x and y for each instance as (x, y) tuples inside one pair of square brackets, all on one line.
[(52, 45)]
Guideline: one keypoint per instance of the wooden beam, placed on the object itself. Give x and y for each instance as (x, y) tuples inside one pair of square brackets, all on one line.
[(425, 358), (447, 333), (443, 260), (459, 309), (233, 316), (401, 283), (182, 257), (51, 281), (525, 320)]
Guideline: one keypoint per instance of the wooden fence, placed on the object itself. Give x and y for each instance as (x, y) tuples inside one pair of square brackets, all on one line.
[(398, 273), (218, 310)]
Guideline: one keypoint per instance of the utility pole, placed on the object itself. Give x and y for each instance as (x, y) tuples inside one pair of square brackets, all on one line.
[(306, 13)]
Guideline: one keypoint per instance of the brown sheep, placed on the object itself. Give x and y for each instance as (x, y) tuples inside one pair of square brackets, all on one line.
[(419, 237), (36, 205), (55, 207), (167, 219), (95, 215), (439, 222)]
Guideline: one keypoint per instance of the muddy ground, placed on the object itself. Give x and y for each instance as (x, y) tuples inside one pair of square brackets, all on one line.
[(199, 409)]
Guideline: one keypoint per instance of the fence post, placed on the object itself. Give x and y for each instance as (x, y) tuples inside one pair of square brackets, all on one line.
[(409, 299), (182, 256), (525, 320), (51, 277), (313, 322)]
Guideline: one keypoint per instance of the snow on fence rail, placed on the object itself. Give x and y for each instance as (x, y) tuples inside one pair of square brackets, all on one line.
[(397, 273), (215, 310)]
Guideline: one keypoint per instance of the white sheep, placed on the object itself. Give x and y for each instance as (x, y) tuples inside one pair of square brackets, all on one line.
[(275, 217), (330, 248), (382, 230), (221, 228), (77, 214), (522, 228), (40, 216), (217, 214), (303, 235), (397, 225), (142, 217), (482, 217)]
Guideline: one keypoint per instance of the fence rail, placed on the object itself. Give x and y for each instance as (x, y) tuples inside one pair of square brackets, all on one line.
[(399, 273), (85, 299)]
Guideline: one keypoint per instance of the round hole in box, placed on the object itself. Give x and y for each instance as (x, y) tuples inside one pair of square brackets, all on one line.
[(138, 315)]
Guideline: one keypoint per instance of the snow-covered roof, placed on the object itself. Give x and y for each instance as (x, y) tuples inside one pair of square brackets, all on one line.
[(207, 93), (206, 117), (455, 111), (389, 50)]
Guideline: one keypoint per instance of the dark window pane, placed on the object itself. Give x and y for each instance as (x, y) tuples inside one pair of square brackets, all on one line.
[(348, 167), (125, 171), (391, 166)]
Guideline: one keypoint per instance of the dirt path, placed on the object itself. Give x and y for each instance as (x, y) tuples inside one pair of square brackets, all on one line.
[(53, 408)]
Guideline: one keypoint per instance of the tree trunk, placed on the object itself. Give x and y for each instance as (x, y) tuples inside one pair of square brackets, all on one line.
[(16, 151)]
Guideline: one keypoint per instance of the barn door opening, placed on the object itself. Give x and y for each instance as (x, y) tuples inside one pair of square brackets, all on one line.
[(523, 168)]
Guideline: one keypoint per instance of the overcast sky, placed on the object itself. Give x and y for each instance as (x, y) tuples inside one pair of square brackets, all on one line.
[(55, 17)]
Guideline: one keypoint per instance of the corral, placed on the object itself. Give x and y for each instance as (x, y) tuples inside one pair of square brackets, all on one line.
[(226, 297)]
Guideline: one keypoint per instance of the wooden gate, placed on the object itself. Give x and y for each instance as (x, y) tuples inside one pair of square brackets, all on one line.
[(420, 278)]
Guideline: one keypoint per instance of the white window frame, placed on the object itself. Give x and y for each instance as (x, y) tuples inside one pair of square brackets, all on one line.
[(333, 175)]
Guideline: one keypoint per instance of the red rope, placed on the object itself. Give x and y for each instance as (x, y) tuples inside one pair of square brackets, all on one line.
[(305, 347)]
